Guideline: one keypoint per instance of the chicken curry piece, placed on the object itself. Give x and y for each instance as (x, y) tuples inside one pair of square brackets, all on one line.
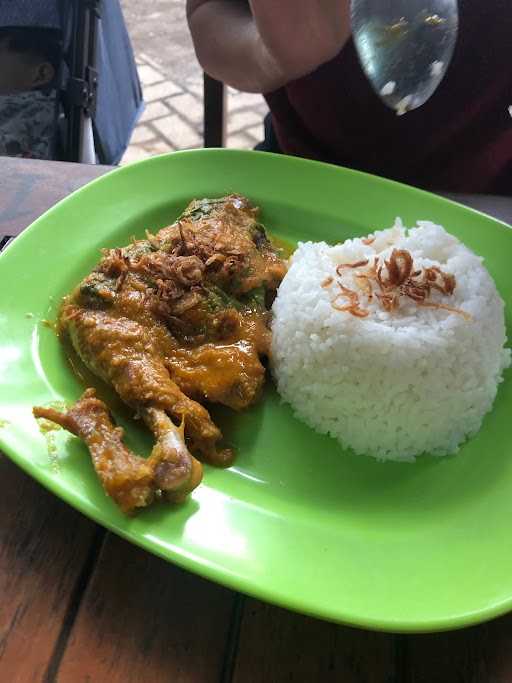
[(169, 321)]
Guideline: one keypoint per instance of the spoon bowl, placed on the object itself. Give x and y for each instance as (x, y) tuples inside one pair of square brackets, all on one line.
[(405, 47)]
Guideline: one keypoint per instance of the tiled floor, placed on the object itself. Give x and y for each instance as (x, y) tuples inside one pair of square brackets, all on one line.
[(173, 118)]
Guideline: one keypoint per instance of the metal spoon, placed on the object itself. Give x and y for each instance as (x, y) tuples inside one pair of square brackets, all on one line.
[(405, 47)]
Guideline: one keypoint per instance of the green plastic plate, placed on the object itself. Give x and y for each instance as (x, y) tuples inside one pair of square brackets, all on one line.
[(297, 521)]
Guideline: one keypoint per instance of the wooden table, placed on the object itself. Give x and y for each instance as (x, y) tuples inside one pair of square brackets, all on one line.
[(79, 604)]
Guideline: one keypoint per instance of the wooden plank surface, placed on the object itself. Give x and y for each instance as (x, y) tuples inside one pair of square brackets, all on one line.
[(46, 548), (69, 614), (29, 187), (277, 645), (44, 552), (140, 618), (482, 654), (144, 620)]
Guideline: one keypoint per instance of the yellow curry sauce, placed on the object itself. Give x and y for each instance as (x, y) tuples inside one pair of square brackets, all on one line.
[(169, 321)]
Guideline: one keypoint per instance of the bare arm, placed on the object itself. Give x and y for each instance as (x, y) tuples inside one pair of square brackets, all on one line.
[(260, 45)]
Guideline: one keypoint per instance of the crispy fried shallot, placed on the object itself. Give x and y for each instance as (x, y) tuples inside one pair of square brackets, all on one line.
[(365, 285), (352, 306), (357, 264), (394, 278)]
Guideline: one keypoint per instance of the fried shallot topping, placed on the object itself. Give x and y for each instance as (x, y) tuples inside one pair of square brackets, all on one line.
[(357, 264), (352, 306), (389, 281)]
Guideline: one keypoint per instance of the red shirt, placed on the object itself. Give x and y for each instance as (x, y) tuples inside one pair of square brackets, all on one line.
[(460, 140)]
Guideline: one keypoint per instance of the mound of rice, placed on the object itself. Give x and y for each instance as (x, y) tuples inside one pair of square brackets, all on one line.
[(394, 384)]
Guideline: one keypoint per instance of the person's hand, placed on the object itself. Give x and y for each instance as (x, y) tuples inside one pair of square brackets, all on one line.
[(260, 45)]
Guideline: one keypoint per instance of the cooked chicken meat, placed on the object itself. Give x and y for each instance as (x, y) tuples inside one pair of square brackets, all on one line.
[(131, 481), (169, 321)]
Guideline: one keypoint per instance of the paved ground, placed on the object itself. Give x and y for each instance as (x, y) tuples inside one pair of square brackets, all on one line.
[(173, 85)]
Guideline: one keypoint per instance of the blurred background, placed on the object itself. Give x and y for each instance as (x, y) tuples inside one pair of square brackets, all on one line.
[(73, 74), (172, 83)]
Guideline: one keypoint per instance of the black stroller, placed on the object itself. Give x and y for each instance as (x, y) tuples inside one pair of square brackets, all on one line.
[(97, 93)]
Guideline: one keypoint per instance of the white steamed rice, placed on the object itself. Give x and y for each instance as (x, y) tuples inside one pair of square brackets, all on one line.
[(391, 385)]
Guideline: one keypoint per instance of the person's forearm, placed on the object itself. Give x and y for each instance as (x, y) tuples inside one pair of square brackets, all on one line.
[(228, 46), (262, 45)]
